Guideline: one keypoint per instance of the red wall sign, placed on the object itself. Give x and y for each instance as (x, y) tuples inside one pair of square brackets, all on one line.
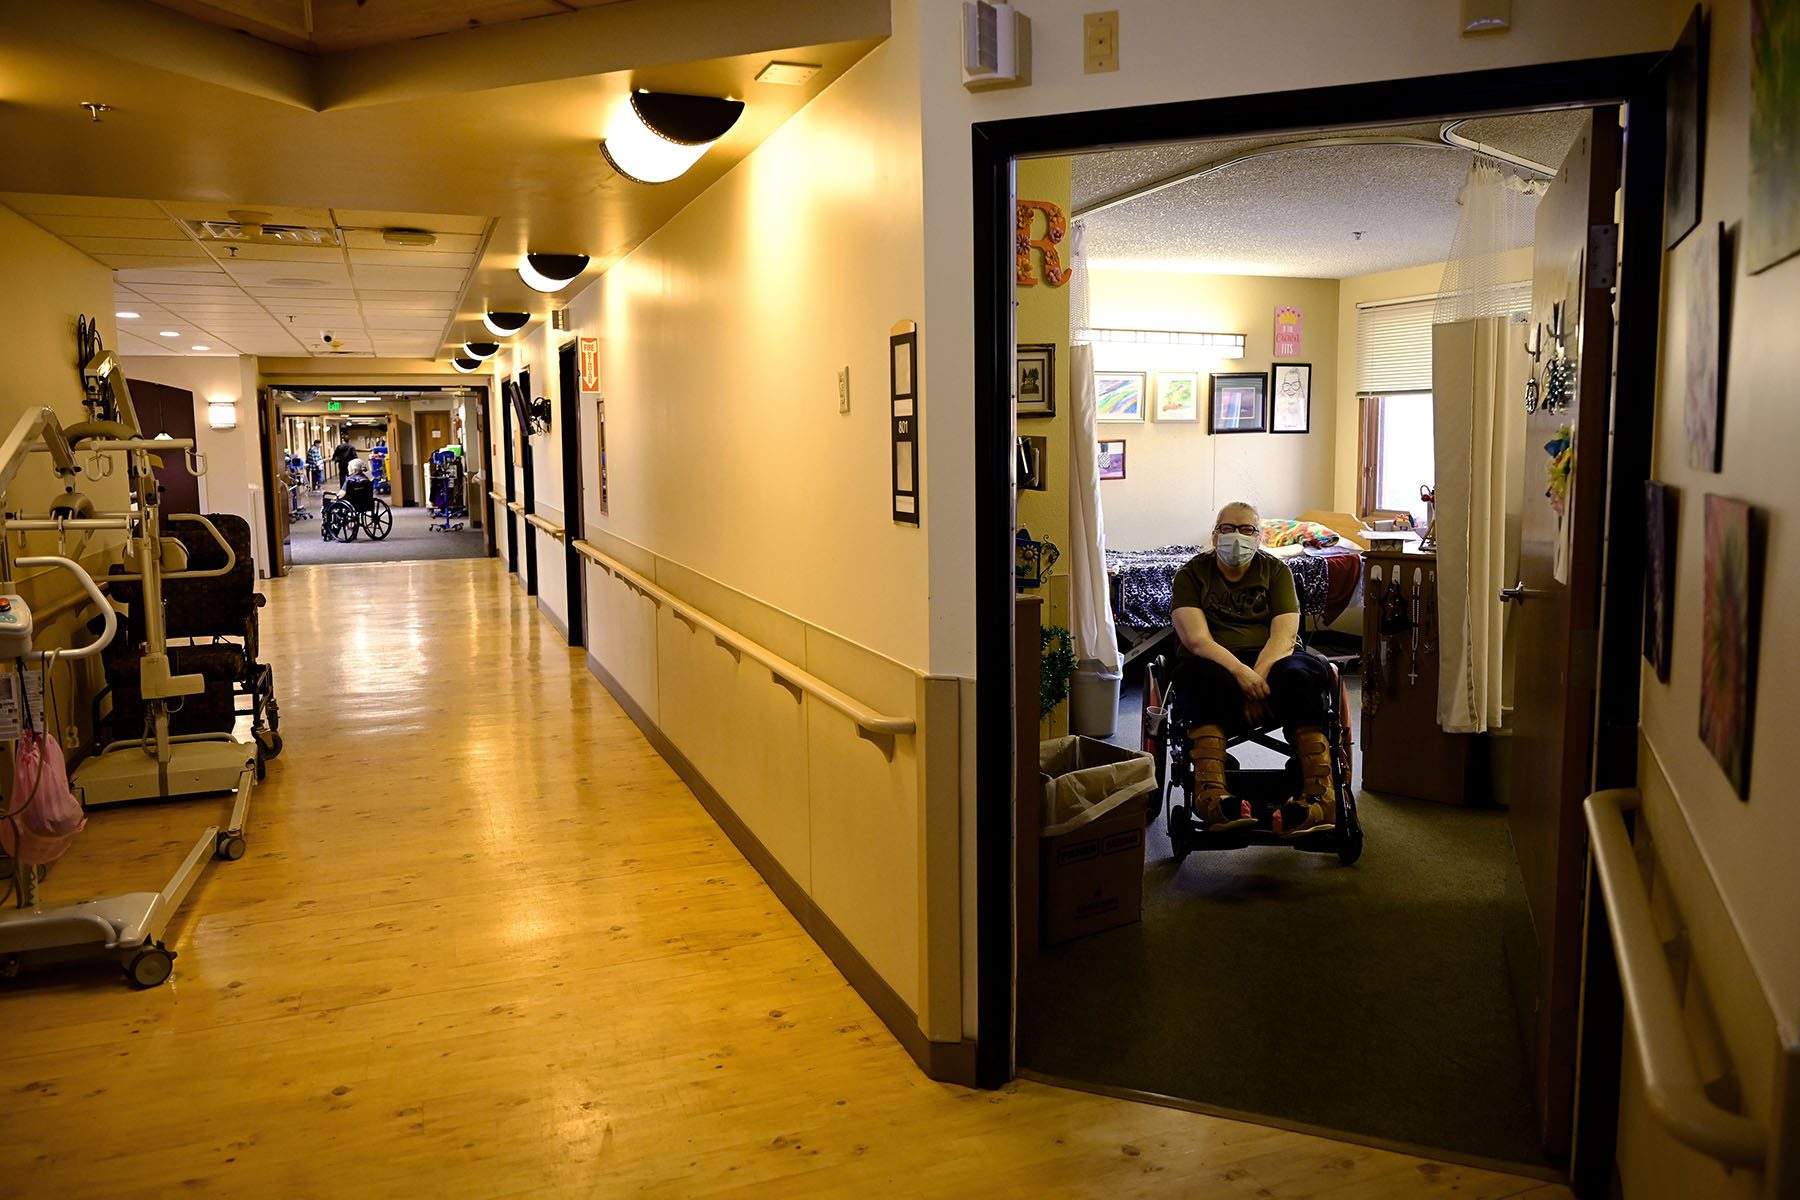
[(588, 354)]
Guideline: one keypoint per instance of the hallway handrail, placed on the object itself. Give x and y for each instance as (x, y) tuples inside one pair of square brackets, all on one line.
[(867, 719), (492, 494), (516, 506), (548, 526), (1672, 1085)]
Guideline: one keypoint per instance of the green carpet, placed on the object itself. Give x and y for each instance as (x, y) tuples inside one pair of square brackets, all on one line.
[(1370, 999)]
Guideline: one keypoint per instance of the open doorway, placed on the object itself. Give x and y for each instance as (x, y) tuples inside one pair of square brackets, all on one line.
[(1423, 992), (377, 474)]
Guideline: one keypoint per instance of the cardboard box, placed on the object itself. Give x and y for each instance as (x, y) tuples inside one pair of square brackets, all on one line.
[(1092, 870)]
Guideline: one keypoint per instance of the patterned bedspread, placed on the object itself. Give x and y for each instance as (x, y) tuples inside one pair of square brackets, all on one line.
[(1143, 579)]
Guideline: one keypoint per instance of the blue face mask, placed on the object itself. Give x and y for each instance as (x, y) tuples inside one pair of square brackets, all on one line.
[(1236, 549)]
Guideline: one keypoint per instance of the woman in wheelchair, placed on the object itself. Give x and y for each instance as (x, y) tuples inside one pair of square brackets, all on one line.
[(1240, 667)]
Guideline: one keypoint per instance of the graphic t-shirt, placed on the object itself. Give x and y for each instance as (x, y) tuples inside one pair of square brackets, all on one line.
[(1238, 614)]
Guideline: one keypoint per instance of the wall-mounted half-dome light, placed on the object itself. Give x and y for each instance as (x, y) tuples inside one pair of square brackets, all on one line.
[(468, 366), (551, 272), (481, 351), (505, 324), (659, 135)]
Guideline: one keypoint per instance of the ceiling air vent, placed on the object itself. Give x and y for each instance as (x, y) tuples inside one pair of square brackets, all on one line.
[(253, 228)]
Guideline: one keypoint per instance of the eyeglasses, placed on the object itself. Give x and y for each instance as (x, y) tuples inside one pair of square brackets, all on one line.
[(1252, 530)]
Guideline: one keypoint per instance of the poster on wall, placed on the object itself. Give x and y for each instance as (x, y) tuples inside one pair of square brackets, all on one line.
[(1661, 507), (1772, 226), (1728, 637), (1704, 399), (1292, 405), (1288, 339)]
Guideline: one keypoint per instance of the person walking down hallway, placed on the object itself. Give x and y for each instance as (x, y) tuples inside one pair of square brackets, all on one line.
[(342, 457), (315, 465)]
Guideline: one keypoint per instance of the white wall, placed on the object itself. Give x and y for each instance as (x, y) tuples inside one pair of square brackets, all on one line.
[(233, 456), (721, 339), (1169, 51)]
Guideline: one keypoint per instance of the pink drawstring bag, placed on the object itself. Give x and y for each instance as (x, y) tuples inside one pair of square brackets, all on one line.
[(44, 828)]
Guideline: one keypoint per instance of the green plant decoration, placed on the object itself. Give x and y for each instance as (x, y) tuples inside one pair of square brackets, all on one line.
[(1056, 670)]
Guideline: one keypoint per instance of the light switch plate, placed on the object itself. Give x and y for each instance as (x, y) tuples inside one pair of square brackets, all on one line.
[(843, 389), (1100, 42)]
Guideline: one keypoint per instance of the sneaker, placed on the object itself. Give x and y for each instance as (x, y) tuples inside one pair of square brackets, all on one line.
[(1303, 818), (1222, 812)]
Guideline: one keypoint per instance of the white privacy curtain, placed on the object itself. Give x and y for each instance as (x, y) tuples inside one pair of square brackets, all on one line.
[(1480, 427), (1090, 601)]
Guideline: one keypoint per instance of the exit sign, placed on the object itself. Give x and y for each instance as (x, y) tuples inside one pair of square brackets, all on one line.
[(334, 405)]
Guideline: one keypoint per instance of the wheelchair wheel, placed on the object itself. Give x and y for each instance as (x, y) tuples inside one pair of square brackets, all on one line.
[(1178, 832), (1351, 848), (379, 522)]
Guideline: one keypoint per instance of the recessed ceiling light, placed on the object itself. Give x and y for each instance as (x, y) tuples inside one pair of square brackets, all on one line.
[(168, 333), (200, 347), (551, 272), (126, 316), (291, 281), (790, 74), (659, 135), (409, 237)]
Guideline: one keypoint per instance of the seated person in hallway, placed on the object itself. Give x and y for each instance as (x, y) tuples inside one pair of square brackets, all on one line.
[(1238, 618), (359, 488)]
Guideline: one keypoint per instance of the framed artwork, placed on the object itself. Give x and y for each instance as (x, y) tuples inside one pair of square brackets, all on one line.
[(1112, 459), (1177, 396), (1685, 131), (1705, 399), (1034, 385), (903, 419), (1728, 637), (1661, 509), (600, 427), (1772, 225), (1290, 408), (1033, 454), (1119, 395), (1240, 403)]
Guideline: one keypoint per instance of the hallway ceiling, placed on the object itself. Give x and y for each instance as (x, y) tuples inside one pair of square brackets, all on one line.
[(1297, 213), (324, 26), (495, 129)]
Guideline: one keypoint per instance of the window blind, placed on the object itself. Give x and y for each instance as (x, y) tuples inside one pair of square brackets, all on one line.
[(1393, 347)]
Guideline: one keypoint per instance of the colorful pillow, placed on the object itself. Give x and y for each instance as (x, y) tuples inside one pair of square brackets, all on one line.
[(1284, 532)]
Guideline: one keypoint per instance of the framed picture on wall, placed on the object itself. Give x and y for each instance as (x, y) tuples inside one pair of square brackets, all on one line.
[(1177, 396), (1034, 384), (1119, 395), (1240, 403), (1290, 408), (1112, 459)]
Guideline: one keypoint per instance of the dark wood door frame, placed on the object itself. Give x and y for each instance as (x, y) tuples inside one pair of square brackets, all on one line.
[(525, 527), (508, 419), (275, 497), (1631, 80), (569, 417), (485, 415)]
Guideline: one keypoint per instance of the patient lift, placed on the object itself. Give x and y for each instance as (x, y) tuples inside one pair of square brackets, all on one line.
[(126, 926)]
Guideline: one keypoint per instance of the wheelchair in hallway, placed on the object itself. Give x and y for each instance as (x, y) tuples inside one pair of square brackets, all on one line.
[(1264, 787), (355, 509)]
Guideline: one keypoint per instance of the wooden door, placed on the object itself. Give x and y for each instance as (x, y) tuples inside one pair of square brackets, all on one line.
[(1556, 607), (433, 432), (569, 436), (275, 493), (164, 409)]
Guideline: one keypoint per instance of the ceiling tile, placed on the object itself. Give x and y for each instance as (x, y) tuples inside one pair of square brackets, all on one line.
[(377, 319), (199, 273), (424, 279), (447, 243), (251, 252), (98, 246), (268, 274), (410, 258), (436, 222), (159, 228), (273, 214), (34, 204)]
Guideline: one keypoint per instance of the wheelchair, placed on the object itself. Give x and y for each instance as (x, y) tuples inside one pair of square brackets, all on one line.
[(356, 509), (1264, 787)]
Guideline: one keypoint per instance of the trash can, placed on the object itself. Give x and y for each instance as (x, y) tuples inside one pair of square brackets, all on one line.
[(1094, 700), (1091, 844)]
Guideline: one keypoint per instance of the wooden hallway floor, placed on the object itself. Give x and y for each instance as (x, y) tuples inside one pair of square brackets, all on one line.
[(486, 944)]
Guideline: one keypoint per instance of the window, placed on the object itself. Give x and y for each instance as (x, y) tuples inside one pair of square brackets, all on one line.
[(1393, 379), (1397, 453)]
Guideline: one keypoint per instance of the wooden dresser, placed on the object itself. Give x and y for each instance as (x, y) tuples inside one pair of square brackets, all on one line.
[(1405, 753)]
